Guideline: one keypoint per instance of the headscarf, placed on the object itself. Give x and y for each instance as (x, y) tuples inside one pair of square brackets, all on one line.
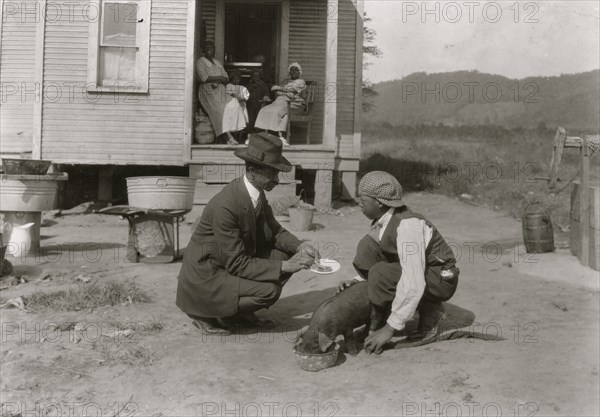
[(295, 64)]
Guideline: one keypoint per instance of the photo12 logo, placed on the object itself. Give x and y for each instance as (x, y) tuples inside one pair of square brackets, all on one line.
[(469, 11), (470, 91)]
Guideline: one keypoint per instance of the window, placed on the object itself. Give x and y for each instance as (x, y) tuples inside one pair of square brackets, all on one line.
[(118, 52)]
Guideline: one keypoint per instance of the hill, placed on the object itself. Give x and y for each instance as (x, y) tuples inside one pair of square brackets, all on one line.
[(474, 98)]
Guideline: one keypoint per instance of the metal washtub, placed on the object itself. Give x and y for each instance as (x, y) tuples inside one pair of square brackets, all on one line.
[(161, 193)]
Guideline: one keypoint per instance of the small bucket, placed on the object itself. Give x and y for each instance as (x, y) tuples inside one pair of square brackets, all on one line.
[(301, 218)]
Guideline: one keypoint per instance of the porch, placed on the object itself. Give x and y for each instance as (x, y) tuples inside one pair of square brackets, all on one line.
[(216, 165)]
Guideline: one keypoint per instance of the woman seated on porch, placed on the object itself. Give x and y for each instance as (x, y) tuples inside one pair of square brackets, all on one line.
[(223, 110), (274, 117)]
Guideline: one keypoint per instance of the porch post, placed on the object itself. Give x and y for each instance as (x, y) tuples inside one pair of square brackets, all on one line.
[(220, 31), (330, 90), (190, 68), (324, 179), (40, 35)]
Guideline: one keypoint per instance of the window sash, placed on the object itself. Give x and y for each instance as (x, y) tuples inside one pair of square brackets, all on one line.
[(142, 47)]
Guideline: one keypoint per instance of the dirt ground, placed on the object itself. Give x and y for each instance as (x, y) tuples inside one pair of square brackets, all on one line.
[(545, 307)]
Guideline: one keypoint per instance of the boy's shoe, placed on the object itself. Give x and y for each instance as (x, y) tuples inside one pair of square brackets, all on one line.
[(232, 141), (284, 141), (430, 316)]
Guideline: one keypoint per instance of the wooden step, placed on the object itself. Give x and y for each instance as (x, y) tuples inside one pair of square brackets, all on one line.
[(227, 172), (204, 192)]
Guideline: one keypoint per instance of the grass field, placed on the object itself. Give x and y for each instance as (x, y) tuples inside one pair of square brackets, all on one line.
[(497, 167)]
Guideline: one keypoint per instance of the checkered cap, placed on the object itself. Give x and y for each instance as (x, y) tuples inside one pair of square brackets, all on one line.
[(383, 187)]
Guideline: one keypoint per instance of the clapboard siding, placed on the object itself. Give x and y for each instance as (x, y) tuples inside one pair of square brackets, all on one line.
[(209, 9), (307, 47), (17, 58), (124, 127)]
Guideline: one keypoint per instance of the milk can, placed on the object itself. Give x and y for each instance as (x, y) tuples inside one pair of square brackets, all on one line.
[(537, 229)]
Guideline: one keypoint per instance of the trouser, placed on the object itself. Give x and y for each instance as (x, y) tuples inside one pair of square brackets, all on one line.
[(255, 295), (383, 276)]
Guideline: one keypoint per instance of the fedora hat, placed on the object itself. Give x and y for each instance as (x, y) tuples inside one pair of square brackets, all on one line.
[(264, 149)]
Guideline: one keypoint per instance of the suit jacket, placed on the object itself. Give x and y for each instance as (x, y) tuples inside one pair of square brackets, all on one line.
[(229, 243)]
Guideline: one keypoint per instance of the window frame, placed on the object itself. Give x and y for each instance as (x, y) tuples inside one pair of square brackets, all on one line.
[(142, 62)]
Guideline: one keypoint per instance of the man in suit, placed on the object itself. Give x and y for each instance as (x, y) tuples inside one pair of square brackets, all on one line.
[(239, 256)]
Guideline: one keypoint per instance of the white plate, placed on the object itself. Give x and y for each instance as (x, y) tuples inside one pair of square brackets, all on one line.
[(334, 265)]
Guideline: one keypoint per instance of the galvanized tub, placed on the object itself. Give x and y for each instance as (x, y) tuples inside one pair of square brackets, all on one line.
[(29, 192), (161, 193)]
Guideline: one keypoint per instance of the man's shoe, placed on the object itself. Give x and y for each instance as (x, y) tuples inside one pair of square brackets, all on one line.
[(210, 326), (244, 320), (253, 320)]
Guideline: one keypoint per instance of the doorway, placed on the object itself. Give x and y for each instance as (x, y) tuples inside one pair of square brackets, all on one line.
[(251, 39)]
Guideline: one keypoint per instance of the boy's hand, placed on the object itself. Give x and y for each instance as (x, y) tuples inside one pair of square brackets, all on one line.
[(375, 341), (345, 284)]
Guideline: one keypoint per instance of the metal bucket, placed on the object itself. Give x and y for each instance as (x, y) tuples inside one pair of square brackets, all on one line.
[(161, 193), (538, 233), (301, 218)]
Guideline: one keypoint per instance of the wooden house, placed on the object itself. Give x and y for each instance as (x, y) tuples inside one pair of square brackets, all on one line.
[(112, 82)]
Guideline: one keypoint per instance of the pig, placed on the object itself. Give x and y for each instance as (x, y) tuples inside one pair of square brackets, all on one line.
[(340, 315)]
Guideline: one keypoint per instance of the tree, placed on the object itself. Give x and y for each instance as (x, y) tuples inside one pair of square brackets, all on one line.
[(370, 49)]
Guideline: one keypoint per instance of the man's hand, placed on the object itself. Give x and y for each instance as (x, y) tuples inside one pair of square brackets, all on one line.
[(345, 284), (292, 267), (307, 249), (302, 259), (375, 341)]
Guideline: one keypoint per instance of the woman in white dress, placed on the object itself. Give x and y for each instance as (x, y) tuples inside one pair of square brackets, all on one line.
[(274, 117), (222, 109)]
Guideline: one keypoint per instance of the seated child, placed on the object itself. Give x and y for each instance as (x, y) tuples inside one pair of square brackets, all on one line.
[(238, 91)]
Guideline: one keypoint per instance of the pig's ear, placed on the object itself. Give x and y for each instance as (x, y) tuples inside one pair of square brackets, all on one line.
[(324, 342), (300, 334)]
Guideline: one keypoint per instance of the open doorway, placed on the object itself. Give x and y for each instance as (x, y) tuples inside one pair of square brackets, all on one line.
[(252, 39)]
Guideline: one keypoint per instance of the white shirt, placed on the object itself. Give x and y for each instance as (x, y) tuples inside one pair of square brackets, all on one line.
[(413, 238), (252, 190)]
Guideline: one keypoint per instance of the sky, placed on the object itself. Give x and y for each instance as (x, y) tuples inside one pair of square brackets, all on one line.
[(510, 38)]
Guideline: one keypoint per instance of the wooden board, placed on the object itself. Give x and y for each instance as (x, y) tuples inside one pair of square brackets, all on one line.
[(584, 237), (594, 252)]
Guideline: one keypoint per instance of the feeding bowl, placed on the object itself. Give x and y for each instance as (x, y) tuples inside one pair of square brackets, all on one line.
[(315, 362), (25, 166)]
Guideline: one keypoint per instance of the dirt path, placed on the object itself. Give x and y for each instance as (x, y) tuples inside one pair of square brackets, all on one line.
[(545, 307)]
